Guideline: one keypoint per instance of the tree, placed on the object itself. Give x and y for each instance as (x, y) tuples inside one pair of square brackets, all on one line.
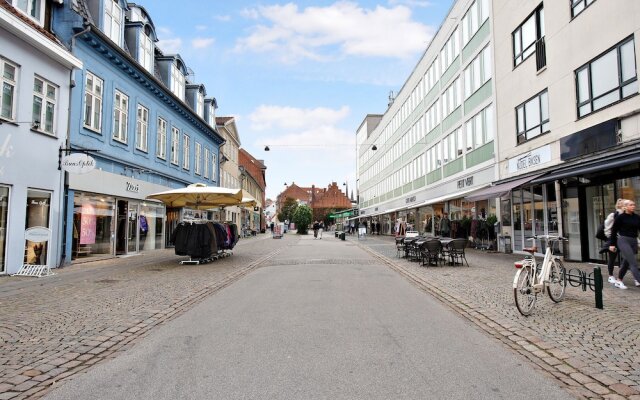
[(289, 207), (302, 219)]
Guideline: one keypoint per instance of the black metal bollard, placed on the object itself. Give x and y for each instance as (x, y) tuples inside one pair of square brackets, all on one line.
[(597, 277)]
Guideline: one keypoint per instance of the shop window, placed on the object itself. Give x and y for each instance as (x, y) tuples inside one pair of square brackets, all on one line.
[(4, 212), (92, 226), (38, 214)]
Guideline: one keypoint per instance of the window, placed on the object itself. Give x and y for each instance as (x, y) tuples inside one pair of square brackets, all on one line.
[(473, 19), (93, 102), (431, 77), (532, 117), (452, 146), (526, 36), (9, 82), (214, 167), (577, 6), (450, 51), (146, 52), (451, 98), (142, 128), (434, 157), (185, 151), (212, 115), (205, 173), (120, 116), (200, 104), (112, 20), (608, 79), (33, 8), (177, 82), (479, 129), (478, 72), (197, 160), (161, 145), (175, 145), (44, 105)]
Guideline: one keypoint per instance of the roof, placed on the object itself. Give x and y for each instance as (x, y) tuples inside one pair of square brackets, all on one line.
[(30, 22)]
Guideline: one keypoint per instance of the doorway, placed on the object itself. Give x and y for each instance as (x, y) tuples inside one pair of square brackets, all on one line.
[(126, 227)]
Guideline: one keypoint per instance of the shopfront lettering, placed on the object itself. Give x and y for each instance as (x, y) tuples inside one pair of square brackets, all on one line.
[(410, 199), (531, 159), (135, 188), (40, 203), (462, 183)]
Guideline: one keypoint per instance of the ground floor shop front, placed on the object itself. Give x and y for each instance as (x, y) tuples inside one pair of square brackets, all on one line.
[(108, 215)]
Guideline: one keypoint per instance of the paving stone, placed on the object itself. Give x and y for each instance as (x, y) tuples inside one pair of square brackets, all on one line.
[(597, 388), (579, 377), (623, 389), (18, 379), (8, 395), (32, 372), (24, 386)]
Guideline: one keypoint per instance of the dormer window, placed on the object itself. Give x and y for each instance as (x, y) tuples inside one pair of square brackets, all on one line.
[(33, 8), (177, 82), (113, 20), (146, 52), (200, 104), (212, 115)]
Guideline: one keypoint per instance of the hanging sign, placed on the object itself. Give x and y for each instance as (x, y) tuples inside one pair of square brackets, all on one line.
[(78, 163), (37, 234)]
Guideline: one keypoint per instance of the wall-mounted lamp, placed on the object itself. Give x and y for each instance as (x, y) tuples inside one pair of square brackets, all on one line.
[(266, 148), (35, 125)]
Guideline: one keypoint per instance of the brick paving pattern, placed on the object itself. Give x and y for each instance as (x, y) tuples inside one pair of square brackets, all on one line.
[(52, 328), (595, 353)]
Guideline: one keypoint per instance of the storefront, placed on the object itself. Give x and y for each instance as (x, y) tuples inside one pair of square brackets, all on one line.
[(110, 216), (4, 211)]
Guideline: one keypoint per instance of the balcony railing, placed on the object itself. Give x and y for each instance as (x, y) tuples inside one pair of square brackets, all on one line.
[(541, 54)]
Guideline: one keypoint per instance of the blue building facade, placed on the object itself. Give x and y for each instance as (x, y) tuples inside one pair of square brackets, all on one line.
[(147, 122)]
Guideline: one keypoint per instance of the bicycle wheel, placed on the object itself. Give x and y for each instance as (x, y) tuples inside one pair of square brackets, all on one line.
[(523, 293), (557, 283)]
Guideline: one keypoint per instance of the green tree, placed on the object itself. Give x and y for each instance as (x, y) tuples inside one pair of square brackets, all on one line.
[(287, 210), (302, 219)]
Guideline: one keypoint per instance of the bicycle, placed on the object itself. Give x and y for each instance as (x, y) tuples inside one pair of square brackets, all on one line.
[(532, 278)]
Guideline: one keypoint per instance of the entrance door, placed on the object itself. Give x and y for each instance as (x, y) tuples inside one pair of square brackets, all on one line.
[(122, 209), (599, 202), (132, 227)]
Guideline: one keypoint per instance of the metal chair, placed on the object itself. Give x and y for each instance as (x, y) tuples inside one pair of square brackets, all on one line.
[(456, 252), (432, 252), (399, 247)]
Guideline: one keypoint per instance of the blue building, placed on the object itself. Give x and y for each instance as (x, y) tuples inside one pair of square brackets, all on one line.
[(152, 127)]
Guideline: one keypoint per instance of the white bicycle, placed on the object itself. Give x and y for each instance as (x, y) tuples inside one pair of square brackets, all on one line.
[(532, 278)]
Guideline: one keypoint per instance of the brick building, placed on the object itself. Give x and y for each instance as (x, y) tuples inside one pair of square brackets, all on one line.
[(321, 200)]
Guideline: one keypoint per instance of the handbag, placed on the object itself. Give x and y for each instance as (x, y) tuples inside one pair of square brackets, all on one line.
[(600, 233)]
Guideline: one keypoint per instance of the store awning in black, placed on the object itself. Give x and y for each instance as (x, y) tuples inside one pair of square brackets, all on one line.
[(500, 189), (587, 167)]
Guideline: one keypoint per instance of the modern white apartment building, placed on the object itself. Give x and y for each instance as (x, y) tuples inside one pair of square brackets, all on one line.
[(567, 116), (435, 144)]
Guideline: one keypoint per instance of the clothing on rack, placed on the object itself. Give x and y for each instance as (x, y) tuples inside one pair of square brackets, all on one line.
[(202, 239)]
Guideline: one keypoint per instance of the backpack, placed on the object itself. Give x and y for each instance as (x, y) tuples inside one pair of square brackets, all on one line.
[(600, 233)]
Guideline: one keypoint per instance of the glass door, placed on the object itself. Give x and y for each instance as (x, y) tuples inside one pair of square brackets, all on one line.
[(132, 227), (121, 226), (571, 223)]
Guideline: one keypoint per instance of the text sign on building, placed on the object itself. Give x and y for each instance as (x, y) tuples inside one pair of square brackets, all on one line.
[(466, 182), (78, 163), (38, 234), (531, 159), (133, 187), (410, 199)]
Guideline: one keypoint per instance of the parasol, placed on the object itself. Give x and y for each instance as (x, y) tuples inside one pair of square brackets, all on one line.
[(199, 196)]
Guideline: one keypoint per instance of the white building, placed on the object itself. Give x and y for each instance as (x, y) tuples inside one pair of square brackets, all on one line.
[(35, 76)]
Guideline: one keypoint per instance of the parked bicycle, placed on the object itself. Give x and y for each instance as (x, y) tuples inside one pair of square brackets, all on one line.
[(532, 278)]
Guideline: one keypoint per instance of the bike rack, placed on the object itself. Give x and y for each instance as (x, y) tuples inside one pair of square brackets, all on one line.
[(578, 278)]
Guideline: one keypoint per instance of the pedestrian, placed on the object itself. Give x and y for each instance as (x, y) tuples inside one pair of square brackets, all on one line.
[(445, 226), (316, 227), (320, 229), (352, 227), (271, 226), (624, 236), (377, 227), (611, 255)]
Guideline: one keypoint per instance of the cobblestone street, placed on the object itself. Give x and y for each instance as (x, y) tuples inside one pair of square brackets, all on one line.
[(55, 327), (596, 353)]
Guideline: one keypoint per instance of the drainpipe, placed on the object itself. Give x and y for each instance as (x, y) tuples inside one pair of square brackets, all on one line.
[(65, 202)]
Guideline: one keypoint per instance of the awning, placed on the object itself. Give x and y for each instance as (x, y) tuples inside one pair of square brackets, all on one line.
[(586, 167), (501, 189), (446, 197)]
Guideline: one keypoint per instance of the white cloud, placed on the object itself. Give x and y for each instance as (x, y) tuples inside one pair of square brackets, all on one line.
[(250, 13), (222, 18), (202, 43), (170, 46), (341, 29), (291, 118), (412, 3)]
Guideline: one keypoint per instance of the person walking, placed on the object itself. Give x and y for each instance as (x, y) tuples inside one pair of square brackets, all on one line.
[(445, 226), (611, 256), (316, 227), (624, 236), (321, 228)]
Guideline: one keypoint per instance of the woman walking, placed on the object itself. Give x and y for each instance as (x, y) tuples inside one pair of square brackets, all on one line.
[(611, 256), (624, 234)]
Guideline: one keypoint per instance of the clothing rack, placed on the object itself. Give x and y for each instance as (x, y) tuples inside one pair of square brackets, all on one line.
[(204, 241)]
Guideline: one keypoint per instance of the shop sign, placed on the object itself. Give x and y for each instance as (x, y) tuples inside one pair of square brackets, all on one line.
[(131, 187), (410, 199), (37, 234), (462, 183), (78, 163), (531, 159)]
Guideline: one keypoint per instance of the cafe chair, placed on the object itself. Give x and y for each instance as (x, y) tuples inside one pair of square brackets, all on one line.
[(456, 252), (432, 253)]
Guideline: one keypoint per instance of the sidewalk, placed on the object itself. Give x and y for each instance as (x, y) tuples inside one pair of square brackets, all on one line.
[(596, 353), (54, 327)]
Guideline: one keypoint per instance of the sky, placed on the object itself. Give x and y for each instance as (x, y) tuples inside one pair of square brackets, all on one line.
[(299, 76)]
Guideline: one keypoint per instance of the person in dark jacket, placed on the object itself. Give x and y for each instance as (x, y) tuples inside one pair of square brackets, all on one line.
[(316, 228), (624, 236)]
